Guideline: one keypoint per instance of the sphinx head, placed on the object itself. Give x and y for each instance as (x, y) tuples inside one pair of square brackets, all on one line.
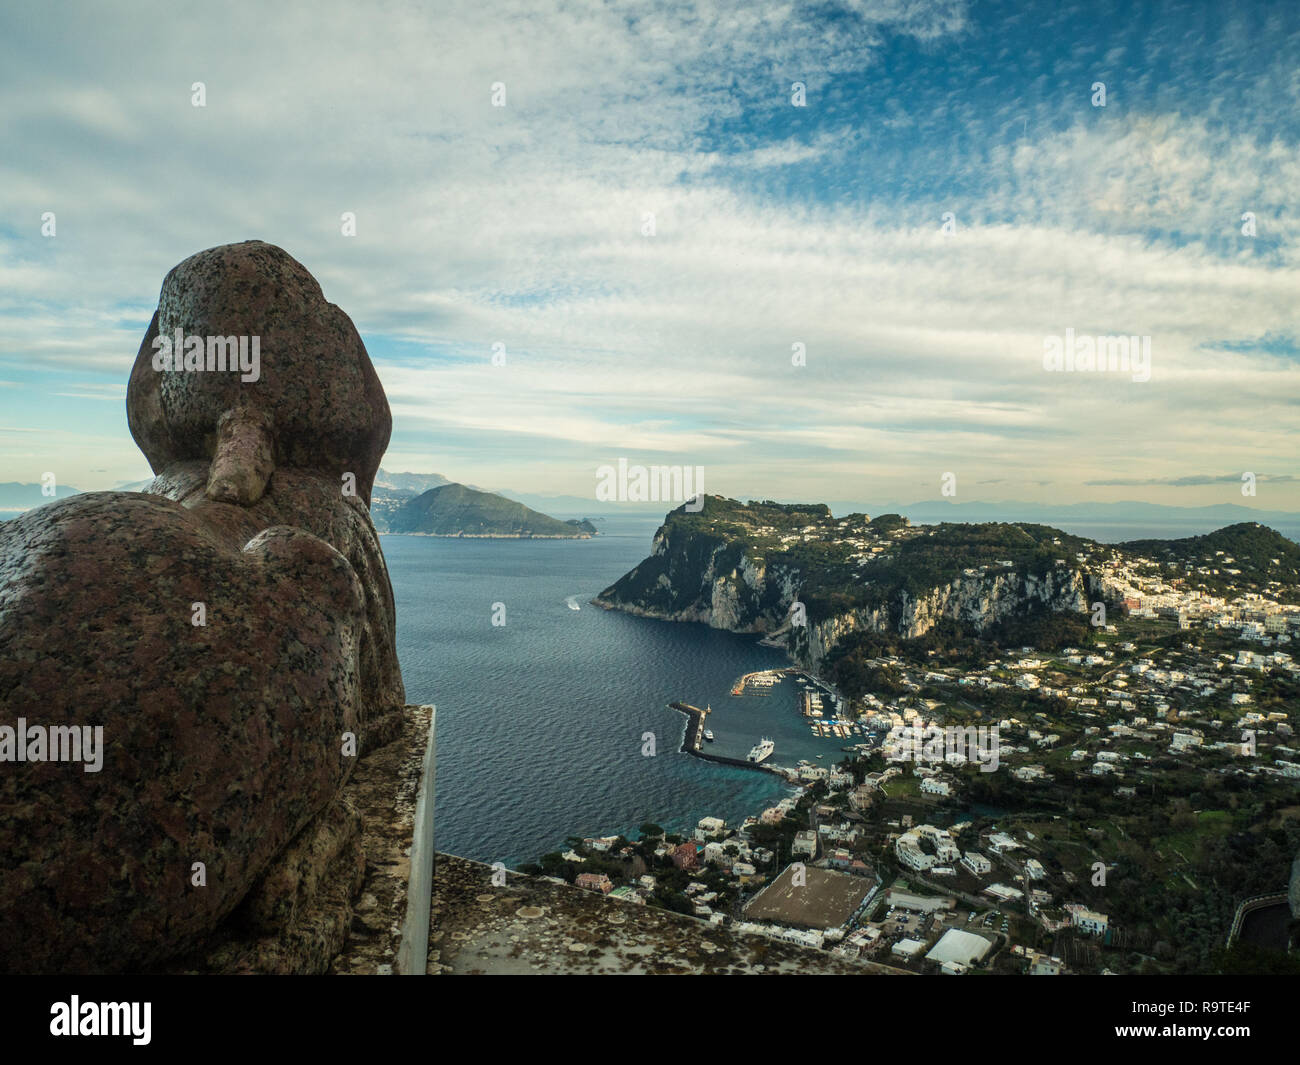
[(248, 367)]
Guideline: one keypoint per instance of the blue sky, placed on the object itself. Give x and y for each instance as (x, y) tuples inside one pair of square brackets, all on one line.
[(774, 225)]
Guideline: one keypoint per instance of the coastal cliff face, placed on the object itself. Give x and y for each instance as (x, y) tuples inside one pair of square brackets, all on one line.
[(980, 602), (706, 579), (729, 578)]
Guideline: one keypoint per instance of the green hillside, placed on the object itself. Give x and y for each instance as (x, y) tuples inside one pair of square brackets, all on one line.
[(1247, 556), (454, 510)]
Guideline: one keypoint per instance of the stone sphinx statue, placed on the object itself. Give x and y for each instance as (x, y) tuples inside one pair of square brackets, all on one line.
[(230, 629)]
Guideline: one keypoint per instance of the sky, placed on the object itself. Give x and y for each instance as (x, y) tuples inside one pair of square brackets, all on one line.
[(817, 250)]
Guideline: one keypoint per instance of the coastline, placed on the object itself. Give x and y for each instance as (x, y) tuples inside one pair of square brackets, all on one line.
[(690, 617)]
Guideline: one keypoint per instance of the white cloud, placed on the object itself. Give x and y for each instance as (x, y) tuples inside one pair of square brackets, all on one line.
[(522, 225)]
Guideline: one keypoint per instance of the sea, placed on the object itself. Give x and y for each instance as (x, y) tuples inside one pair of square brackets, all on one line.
[(554, 722)]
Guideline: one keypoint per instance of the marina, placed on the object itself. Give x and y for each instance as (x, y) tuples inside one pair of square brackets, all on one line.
[(743, 731), (815, 694), (759, 683)]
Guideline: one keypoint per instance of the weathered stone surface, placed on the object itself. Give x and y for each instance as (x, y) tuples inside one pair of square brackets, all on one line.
[(296, 877), (223, 740), (315, 383), (295, 920), (333, 900), (385, 788), (307, 501)]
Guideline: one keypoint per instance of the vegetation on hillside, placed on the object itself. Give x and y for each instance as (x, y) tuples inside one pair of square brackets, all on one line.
[(455, 510)]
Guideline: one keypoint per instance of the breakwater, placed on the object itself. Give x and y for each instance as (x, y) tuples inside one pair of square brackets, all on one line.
[(693, 737)]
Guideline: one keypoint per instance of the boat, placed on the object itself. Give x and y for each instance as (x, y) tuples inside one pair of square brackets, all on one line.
[(572, 601), (761, 751), (708, 734)]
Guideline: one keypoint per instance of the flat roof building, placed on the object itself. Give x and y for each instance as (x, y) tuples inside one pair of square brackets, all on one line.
[(908, 948), (920, 903)]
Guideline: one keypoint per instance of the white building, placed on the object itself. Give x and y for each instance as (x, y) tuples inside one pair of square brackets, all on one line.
[(1000, 843), (908, 851), (959, 948), (1087, 920), (709, 826), (908, 948)]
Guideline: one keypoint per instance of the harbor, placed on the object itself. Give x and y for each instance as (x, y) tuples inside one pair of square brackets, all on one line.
[(797, 721), (693, 738)]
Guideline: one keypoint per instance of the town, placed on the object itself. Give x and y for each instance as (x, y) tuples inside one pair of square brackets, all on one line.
[(1131, 764)]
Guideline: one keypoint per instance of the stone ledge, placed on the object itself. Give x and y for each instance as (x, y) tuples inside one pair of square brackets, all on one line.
[(387, 784)]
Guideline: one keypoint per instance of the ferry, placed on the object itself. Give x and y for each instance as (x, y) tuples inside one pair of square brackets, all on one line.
[(761, 751), (708, 734)]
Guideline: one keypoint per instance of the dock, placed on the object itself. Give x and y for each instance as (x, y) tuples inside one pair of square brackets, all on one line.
[(758, 682)]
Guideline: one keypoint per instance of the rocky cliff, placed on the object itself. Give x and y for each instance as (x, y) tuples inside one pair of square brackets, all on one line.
[(979, 601), (751, 568)]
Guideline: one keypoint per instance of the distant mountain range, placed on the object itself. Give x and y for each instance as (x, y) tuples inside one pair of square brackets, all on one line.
[(424, 503), (460, 511), (936, 510), (393, 489), (409, 482), (15, 496), (933, 510)]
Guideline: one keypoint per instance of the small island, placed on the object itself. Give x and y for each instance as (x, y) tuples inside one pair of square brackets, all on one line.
[(455, 510)]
